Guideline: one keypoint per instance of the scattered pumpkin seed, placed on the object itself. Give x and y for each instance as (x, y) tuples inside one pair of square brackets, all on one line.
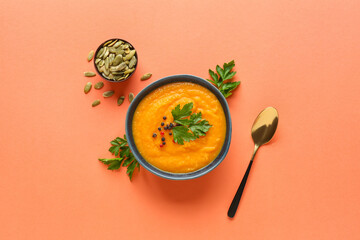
[(89, 74), (90, 55), (99, 85), (146, 76), (120, 100), (108, 94), (131, 97), (87, 87), (95, 103)]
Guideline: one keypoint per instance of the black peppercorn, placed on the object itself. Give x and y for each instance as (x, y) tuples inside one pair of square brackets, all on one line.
[(159, 128), (162, 139), (163, 143), (170, 133), (154, 135), (164, 117), (162, 124)]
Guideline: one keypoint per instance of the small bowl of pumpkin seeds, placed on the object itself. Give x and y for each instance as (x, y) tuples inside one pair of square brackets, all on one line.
[(116, 60)]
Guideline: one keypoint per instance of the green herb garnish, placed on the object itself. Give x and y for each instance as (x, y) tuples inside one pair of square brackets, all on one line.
[(190, 128), (224, 74), (123, 156)]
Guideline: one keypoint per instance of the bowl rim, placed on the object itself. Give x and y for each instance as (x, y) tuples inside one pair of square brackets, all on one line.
[(97, 50), (151, 87)]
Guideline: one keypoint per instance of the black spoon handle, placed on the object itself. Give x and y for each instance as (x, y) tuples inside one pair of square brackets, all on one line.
[(235, 202)]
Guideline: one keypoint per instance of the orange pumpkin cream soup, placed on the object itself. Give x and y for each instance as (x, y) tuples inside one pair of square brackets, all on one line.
[(179, 127)]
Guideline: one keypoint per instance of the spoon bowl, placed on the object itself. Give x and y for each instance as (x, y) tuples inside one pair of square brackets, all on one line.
[(262, 132), (264, 126)]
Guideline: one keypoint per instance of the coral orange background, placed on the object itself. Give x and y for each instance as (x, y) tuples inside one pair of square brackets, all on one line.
[(301, 57)]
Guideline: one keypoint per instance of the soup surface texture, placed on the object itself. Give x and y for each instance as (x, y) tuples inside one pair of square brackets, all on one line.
[(173, 157)]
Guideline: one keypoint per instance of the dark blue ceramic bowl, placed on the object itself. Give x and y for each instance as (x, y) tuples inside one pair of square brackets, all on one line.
[(152, 87)]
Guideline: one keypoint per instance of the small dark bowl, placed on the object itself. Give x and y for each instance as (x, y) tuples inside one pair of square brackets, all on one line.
[(112, 80), (152, 87)]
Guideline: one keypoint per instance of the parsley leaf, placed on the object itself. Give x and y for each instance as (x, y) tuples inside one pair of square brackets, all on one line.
[(190, 128), (222, 75), (121, 149), (183, 112), (226, 88), (114, 163), (181, 134)]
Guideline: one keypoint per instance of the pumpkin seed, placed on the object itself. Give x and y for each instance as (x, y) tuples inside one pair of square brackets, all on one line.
[(107, 63), (89, 74), (120, 67), (132, 62), (118, 44), (120, 100), (87, 87), (108, 94), (111, 58), (112, 50), (118, 78), (129, 70), (101, 63), (111, 44), (108, 42), (101, 69), (131, 97), (106, 71), (90, 55), (117, 73), (130, 55), (97, 60), (99, 85), (146, 76), (118, 59), (106, 53), (95, 103), (119, 51), (100, 52)]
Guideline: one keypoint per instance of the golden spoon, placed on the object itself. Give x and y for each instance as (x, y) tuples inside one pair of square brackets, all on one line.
[(262, 131)]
